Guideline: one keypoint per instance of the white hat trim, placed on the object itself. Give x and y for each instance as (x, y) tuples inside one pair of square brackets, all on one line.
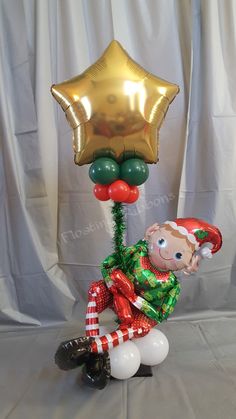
[(184, 232)]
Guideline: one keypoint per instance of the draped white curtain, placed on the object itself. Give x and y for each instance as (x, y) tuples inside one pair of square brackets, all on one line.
[(54, 234)]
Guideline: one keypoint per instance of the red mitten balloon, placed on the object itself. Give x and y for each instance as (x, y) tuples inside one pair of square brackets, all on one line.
[(123, 283), (122, 309)]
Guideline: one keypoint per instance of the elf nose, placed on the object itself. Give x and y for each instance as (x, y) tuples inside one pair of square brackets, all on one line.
[(166, 252)]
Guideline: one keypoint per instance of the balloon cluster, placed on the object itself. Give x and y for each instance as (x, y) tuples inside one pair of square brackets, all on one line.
[(125, 359), (118, 182)]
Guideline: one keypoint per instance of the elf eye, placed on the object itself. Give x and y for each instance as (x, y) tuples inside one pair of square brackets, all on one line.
[(178, 256), (161, 242)]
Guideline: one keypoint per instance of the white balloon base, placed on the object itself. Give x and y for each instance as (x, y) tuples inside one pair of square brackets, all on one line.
[(153, 347), (135, 358), (124, 360)]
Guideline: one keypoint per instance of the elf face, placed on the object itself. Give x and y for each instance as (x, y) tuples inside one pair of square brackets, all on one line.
[(168, 252)]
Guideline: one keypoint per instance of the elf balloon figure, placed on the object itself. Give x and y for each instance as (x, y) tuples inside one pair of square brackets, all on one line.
[(142, 294)]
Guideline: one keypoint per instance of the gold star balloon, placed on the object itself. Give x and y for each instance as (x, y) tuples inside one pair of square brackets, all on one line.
[(115, 108)]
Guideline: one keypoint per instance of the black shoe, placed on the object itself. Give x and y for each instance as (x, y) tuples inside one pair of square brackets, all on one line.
[(97, 370), (73, 353)]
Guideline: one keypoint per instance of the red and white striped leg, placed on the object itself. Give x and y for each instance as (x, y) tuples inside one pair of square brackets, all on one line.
[(92, 320), (99, 298), (141, 325), (110, 340)]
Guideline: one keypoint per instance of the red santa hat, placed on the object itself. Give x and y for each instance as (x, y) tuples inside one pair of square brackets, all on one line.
[(199, 232)]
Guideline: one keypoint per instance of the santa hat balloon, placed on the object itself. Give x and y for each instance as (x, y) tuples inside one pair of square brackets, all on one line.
[(199, 233)]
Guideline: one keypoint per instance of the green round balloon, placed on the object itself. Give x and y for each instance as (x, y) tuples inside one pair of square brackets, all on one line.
[(104, 171), (134, 171)]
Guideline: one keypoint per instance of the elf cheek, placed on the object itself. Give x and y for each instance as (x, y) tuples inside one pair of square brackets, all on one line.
[(156, 258), (155, 249)]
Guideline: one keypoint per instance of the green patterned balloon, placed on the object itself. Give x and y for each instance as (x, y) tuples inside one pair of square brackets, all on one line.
[(134, 171)]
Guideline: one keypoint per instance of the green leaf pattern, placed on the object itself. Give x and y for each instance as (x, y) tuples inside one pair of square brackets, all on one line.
[(159, 296)]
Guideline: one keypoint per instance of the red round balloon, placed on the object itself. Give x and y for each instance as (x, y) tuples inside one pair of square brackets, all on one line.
[(101, 192), (119, 191), (133, 195)]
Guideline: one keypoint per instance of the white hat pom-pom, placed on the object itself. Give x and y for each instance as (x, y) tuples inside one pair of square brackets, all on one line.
[(205, 253)]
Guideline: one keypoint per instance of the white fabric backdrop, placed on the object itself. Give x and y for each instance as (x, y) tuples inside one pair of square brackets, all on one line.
[(54, 234)]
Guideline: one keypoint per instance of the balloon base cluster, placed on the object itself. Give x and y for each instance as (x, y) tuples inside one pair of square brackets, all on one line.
[(133, 358)]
